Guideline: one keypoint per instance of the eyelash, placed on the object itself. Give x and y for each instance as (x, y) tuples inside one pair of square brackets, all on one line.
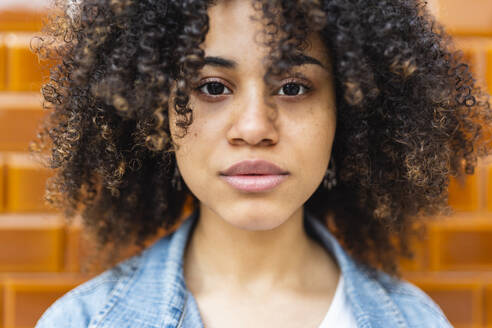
[(307, 87)]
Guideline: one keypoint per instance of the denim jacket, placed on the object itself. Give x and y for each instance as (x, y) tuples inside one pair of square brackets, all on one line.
[(149, 291)]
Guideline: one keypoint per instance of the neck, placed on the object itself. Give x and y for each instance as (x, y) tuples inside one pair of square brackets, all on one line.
[(220, 254)]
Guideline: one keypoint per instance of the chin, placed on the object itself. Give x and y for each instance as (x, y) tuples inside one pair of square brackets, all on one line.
[(256, 220), (253, 225)]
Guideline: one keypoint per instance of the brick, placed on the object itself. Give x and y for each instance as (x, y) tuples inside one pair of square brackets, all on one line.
[(3, 63), (472, 17), (489, 189), (488, 306), (25, 184), (461, 295), (31, 243), (28, 296), (2, 183), (21, 20), (488, 68), (461, 243), (471, 49), (475, 54), (2, 315), (460, 303), (464, 193), (77, 246), (24, 71), (20, 118), (72, 249)]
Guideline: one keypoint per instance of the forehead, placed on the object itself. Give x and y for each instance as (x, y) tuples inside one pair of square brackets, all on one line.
[(237, 31)]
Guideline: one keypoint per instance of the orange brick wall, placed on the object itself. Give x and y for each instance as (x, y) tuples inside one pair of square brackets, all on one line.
[(26, 296), (469, 18), (40, 255), (454, 264)]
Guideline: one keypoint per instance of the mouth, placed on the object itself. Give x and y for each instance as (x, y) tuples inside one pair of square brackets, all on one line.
[(254, 175), (254, 182)]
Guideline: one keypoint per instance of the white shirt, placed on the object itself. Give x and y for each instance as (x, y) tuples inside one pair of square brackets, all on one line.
[(339, 314)]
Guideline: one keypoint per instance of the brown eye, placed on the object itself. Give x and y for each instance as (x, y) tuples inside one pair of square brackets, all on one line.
[(292, 89), (214, 89)]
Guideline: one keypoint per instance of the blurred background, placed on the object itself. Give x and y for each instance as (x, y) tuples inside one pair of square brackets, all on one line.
[(41, 256)]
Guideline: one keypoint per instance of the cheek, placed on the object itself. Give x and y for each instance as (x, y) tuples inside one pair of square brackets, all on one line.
[(313, 138), (325, 124), (319, 139), (316, 127)]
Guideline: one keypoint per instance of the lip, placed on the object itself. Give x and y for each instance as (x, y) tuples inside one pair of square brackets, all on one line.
[(254, 175), (254, 167)]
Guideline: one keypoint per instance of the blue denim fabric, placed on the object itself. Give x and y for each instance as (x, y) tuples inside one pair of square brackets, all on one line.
[(148, 291)]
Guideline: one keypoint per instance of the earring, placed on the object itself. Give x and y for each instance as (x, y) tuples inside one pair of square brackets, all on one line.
[(176, 179), (330, 180)]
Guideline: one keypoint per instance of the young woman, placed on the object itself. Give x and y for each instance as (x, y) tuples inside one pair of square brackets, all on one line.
[(311, 135)]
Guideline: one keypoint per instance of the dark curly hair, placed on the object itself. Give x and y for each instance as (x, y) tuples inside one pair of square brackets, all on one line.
[(409, 114)]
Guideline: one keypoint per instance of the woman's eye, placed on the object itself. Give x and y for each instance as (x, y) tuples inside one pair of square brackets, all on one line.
[(293, 89), (214, 89)]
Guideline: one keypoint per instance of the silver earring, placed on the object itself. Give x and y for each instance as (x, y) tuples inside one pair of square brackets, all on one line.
[(330, 180), (176, 180)]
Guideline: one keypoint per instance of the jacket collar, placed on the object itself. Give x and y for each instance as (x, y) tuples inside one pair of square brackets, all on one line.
[(153, 294), (152, 291)]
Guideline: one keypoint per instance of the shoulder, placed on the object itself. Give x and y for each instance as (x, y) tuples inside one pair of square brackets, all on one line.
[(84, 302), (417, 307)]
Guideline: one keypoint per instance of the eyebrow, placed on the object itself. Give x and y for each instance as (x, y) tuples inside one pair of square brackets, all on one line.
[(296, 60)]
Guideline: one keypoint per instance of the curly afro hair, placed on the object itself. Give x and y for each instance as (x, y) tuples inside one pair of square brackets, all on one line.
[(409, 114)]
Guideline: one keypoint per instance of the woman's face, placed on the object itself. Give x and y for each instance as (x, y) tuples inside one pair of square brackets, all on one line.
[(233, 122)]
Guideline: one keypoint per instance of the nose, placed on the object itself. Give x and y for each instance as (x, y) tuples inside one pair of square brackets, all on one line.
[(254, 120)]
